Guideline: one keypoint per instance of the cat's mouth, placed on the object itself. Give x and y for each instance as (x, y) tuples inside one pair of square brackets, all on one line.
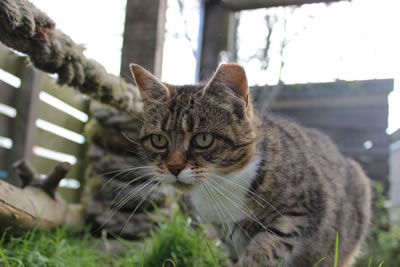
[(183, 186)]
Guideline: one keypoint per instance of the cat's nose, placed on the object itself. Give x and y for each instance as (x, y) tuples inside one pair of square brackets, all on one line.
[(175, 169)]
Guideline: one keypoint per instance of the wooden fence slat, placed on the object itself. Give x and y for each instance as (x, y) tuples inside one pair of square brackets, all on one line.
[(330, 102), (6, 124), (332, 89), (23, 126), (69, 194), (7, 94), (355, 137), (3, 156), (57, 143), (362, 118), (65, 94), (59, 118), (10, 62)]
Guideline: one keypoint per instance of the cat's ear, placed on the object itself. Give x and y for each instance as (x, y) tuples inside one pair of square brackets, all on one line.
[(232, 76), (151, 89)]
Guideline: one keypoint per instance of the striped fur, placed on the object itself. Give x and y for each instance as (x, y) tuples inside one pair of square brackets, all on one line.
[(272, 188)]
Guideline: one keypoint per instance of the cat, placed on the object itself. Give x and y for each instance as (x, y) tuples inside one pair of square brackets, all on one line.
[(274, 190)]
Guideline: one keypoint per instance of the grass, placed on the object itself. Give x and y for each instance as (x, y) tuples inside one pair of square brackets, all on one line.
[(183, 245), (384, 237), (174, 243), (62, 247)]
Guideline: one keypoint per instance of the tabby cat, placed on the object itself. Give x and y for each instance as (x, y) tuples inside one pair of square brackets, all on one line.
[(274, 190)]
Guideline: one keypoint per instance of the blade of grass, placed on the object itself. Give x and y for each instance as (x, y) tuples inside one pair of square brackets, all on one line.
[(336, 250), (212, 254), (369, 261), (380, 265), (4, 258), (318, 262)]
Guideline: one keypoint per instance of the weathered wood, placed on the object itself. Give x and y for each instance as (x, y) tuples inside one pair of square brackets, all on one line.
[(144, 35), (3, 156), (57, 117), (395, 136), (253, 4), (57, 143), (6, 126), (65, 94), (349, 117), (351, 113), (10, 62), (214, 37), (24, 124), (330, 89), (356, 137), (23, 209), (395, 170), (71, 195), (7, 94), (330, 102)]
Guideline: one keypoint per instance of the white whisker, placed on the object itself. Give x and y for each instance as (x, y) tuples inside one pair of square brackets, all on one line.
[(242, 188), (129, 139), (238, 224), (127, 184), (251, 215), (206, 186), (124, 200), (140, 203), (128, 170), (268, 203)]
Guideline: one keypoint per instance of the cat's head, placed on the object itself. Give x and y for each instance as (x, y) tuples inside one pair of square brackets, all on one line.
[(193, 132)]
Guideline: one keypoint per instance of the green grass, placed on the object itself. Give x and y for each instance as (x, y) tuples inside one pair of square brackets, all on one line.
[(174, 241), (383, 242), (62, 247), (183, 245)]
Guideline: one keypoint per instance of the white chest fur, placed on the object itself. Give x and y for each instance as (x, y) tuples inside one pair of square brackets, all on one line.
[(222, 199)]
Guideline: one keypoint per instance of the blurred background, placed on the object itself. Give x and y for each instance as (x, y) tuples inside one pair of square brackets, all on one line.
[(328, 42), (328, 64)]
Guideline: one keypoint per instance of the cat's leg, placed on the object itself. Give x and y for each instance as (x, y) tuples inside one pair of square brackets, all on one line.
[(275, 242), (267, 249)]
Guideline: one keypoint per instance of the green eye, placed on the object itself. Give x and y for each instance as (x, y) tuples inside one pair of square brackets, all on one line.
[(203, 140), (159, 141)]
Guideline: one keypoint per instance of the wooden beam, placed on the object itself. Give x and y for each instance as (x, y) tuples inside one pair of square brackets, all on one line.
[(395, 136), (7, 94), (253, 4), (214, 37), (24, 209), (144, 35), (329, 102), (24, 129)]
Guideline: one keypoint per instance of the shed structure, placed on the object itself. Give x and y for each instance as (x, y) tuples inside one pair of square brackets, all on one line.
[(354, 114), (395, 170)]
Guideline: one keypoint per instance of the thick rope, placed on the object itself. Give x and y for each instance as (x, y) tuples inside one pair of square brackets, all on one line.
[(26, 29)]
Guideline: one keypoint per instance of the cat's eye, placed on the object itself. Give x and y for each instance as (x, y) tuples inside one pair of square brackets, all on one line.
[(159, 141), (203, 140)]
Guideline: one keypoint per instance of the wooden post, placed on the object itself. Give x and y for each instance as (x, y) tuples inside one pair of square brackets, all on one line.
[(253, 4), (24, 129), (214, 37), (144, 35)]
